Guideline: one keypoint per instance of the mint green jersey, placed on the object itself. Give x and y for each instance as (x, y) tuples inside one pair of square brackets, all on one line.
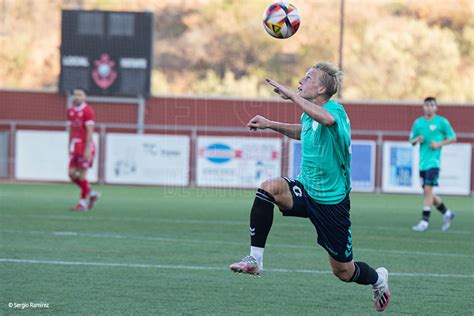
[(437, 129), (326, 156)]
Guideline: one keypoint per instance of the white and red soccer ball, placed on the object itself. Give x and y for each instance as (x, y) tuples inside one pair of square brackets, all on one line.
[(281, 19)]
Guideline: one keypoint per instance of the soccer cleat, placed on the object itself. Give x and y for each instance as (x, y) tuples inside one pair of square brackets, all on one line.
[(94, 196), (381, 292), (79, 208), (421, 226), (248, 265), (447, 219)]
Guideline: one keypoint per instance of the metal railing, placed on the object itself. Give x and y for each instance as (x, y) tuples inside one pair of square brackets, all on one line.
[(378, 136)]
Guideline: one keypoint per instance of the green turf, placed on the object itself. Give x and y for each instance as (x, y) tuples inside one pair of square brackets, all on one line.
[(142, 233)]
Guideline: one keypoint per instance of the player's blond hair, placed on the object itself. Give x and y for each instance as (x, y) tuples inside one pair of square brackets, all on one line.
[(331, 77)]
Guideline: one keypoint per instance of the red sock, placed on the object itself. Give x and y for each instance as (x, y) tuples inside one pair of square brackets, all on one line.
[(85, 188)]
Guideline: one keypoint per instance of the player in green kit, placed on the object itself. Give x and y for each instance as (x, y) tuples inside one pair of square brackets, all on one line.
[(321, 191), (432, 132)]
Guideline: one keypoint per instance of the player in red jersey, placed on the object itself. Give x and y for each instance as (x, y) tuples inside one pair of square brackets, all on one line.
[(82, 149)]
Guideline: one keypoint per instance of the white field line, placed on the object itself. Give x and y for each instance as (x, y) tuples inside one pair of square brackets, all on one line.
[(304, 223), (105, 235), (186, 267)]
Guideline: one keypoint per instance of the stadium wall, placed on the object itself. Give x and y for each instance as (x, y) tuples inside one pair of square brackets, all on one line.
[(367, 118), (226, 112)]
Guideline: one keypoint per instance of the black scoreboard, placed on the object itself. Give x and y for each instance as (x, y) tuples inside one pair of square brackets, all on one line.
[(107, 53)]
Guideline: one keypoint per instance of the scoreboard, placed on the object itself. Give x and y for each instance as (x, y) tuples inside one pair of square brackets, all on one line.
[(107, 53)]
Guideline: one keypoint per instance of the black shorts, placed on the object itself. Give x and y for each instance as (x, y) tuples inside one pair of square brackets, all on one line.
[(429, 177), (332, 222)]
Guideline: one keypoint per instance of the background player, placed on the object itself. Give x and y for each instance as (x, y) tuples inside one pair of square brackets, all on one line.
[(432, 132), (321, 191), (82, 149)]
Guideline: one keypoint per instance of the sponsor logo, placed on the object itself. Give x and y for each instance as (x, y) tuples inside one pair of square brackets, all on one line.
[(135, 63), (151, 149), (297, 190), (125, 167), (75, 61), (348, 251), (103, 74), (252, 231), (432, 127), (401, 168), (219, 153)]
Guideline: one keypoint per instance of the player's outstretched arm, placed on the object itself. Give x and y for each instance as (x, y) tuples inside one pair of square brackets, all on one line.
[(316, 112), (260, 122)]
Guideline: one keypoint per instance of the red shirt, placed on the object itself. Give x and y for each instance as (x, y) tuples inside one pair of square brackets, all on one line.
[(79, 117)]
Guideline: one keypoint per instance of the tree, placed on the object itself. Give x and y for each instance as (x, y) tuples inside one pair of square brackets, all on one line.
[(400, 58), (394, 49)]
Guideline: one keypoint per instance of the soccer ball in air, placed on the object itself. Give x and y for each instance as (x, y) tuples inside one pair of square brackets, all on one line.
[(281, 19)]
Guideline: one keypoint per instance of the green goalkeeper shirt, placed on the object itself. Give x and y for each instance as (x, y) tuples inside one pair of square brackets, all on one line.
[(437, 129), (326, 156)]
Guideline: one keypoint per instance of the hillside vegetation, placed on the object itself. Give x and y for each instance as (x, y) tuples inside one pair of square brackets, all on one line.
[(397, 50)]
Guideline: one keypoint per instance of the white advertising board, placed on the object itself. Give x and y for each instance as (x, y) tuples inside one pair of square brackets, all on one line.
[(147, 159), (455, 174), (401, 169), (240, 162), (44, 156)]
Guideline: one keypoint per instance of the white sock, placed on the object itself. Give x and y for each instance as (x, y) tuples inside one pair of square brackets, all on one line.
[(379, 281), (83, 202), (448, 213), (257, 253)]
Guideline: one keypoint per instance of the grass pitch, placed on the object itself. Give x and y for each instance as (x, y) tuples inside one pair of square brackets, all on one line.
[(165, 251)]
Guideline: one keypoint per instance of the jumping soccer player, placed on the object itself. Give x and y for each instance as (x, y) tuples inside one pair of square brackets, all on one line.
[(321, 191), (82, 149), (432, 132)]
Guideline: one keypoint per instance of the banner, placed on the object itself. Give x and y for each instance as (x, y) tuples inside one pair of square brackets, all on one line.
[(147, 159), (455, 174), (44, 155), (4, 153), (400, 168), (362, 164), (400, 173), (240, 162)]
